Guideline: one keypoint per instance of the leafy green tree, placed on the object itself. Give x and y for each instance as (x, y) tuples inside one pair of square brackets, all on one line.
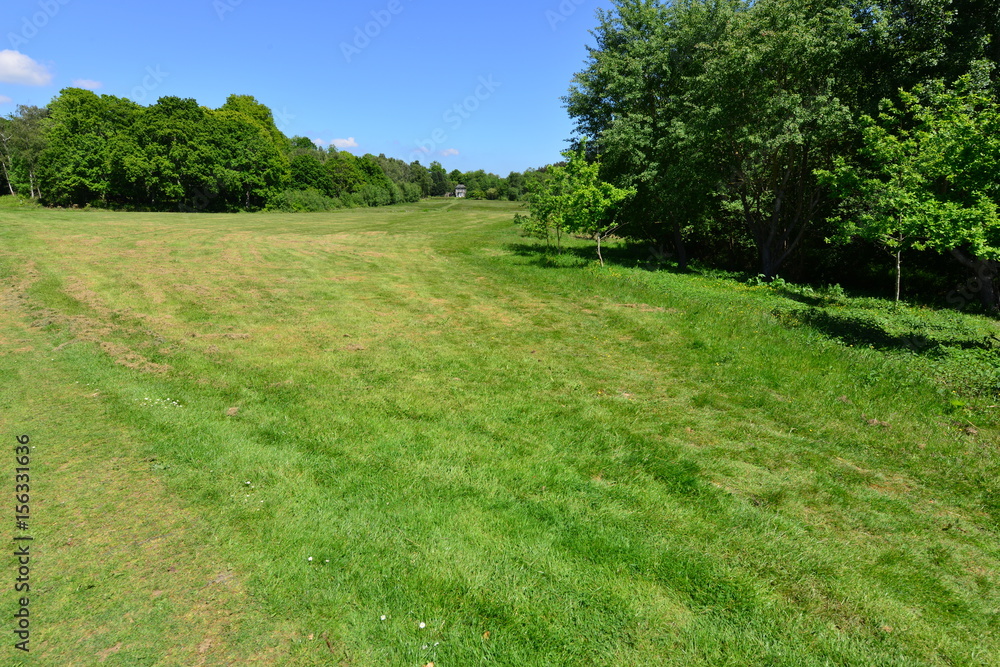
[(405, 189), (306, 145), (422, 177), (765, 114), (588, 202), (177, 159), (75, 164), (22, 142), (545, 196), (258, 114), (629, 100), (513, 186), (928, 176), (440, 184), (902, 43), (307, 172), (345, 172), (254, 165), (575, 200), (378, 190)]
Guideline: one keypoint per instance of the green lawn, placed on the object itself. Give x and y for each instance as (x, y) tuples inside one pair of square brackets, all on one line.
[(399, 436)]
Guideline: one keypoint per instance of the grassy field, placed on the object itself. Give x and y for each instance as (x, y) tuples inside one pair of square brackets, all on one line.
[(401, 436)]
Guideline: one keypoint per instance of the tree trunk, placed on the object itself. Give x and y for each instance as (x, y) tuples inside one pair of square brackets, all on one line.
[(987, 289), (986, 274), (7, 176), (767, 267), (899, 270), (599, 256), (679, 247)]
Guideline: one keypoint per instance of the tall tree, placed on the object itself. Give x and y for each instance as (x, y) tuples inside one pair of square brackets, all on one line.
[(307, 172), (345, 172), (422, 177), (440, 185), (25, 144), (251, 163), (629, 98), (6, 155), (75, 164), (766, 114)]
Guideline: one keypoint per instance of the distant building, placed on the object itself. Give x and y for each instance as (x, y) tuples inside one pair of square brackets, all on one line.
[(459, 190)]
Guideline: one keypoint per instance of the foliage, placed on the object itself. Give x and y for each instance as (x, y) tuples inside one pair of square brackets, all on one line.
[(927, 174), (574, 199), (17, 201), (21, 144), (308, 172), (724, 114), (108, 152), (309, 200), (629, 99)]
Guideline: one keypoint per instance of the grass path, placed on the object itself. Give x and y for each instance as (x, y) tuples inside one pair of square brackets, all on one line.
[(512, 461)]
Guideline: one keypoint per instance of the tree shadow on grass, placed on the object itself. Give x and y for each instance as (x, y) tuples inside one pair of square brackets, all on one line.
[(880, 330), (630, 255)]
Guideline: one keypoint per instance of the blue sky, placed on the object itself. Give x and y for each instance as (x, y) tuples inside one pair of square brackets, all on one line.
[(474, 86)]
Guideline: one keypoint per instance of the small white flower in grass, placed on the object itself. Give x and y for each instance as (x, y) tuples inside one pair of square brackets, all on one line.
[(310, 559), (422, 625), (383, 617)]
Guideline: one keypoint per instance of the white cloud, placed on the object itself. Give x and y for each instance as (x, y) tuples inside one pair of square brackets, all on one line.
[(15, 67), (89, 84), (345, 143), (448, 152), (5, 100)]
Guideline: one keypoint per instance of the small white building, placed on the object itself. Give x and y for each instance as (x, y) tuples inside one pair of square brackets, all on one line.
[(459, 190)]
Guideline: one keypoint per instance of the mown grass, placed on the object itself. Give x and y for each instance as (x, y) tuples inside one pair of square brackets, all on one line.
[(512, 458)]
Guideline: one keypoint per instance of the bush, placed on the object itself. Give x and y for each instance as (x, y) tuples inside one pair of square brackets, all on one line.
[(411, 192), (373, 195), (18, 201), (306, 201)]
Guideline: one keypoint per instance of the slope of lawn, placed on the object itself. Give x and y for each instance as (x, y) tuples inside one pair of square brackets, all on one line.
[(399, 436)]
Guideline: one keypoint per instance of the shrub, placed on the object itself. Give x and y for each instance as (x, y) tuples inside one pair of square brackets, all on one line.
[(18, 201), (306, 201)]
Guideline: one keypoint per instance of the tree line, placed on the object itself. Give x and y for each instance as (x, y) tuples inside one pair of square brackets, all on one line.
[(808, 137), (104, 151)]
